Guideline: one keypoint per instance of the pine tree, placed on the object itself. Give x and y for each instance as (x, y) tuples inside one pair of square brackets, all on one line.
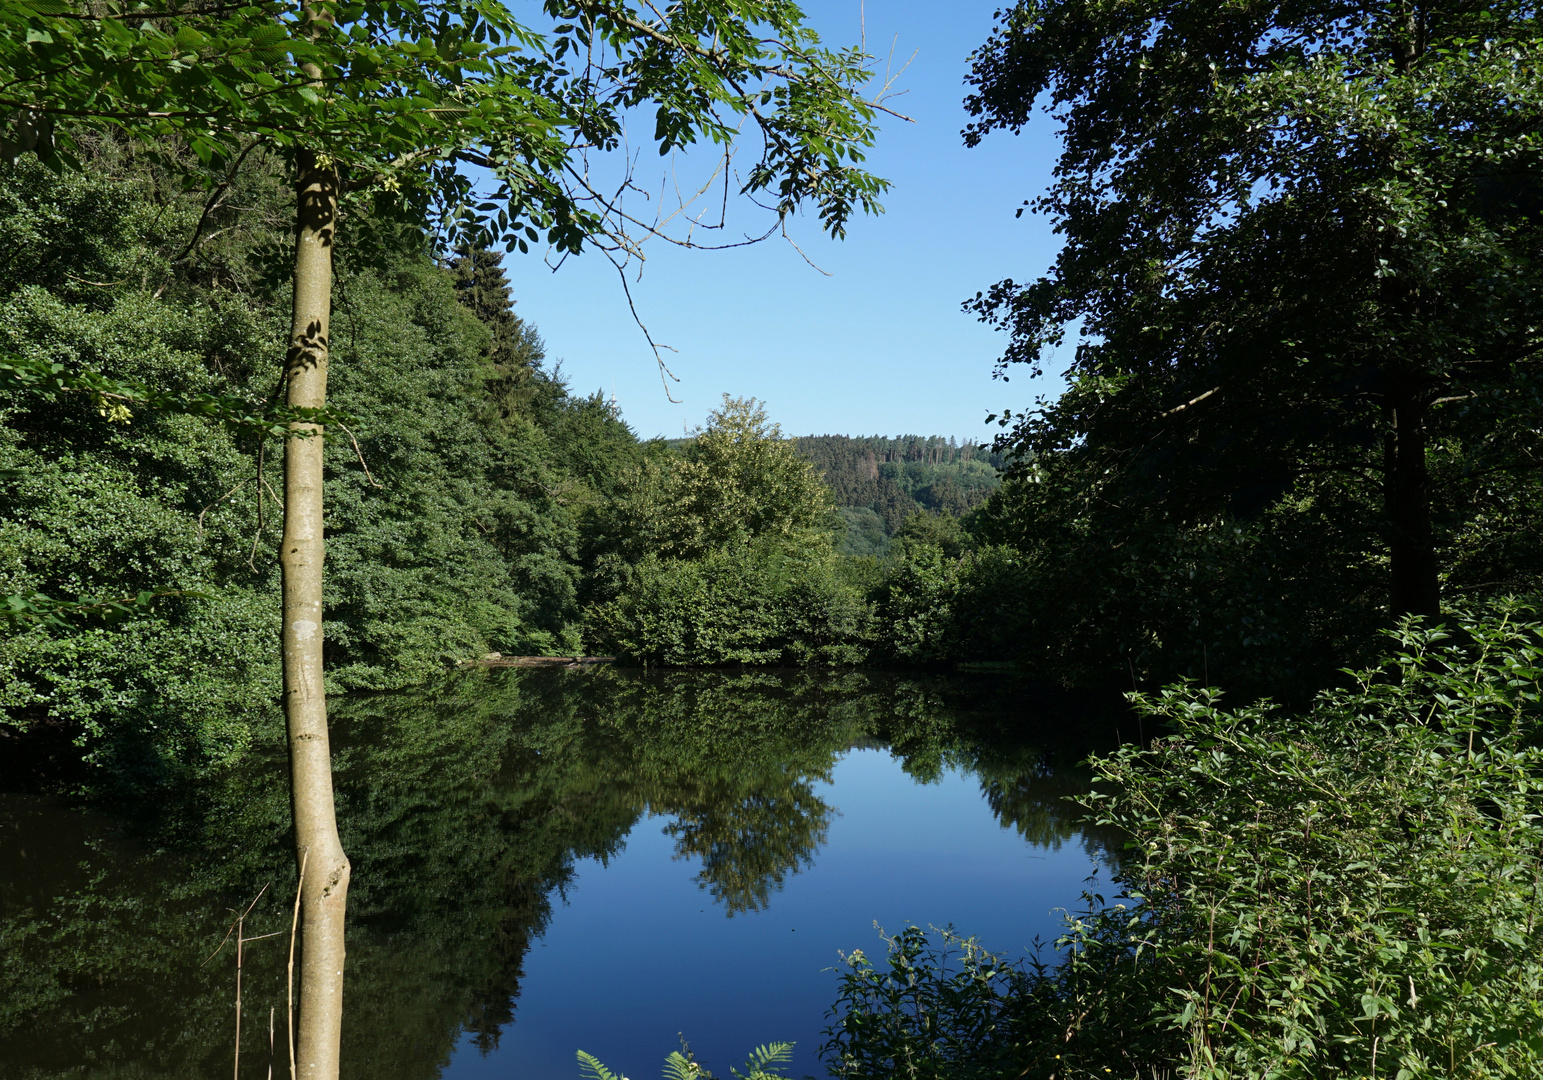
[(514, 360)]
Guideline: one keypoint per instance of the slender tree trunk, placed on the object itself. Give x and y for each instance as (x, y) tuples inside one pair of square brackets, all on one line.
[(324, 892), (1416, 583)]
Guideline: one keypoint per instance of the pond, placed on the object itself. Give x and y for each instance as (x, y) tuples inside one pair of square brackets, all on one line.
[(552, 860)]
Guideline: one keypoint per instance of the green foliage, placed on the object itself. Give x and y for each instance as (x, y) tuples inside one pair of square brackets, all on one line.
[(861, 531), (1349, 890), (716, 556), (589, 1065), (892, 479), (454, 497), (106, 505), (738, 480), (451, 544), (924, 1018), (1269, 605), (399, 97), (112, 399), (463, 535), (938, 530), (933, 607), (760, 603), (36, 609), (761, 1064), (1302, 268), (1359, 883)]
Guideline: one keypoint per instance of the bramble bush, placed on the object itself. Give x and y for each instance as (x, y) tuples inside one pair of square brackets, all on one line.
[(1352, 890)]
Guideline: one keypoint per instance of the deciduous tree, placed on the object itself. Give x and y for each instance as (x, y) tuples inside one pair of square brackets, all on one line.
[(1301, 239), (397, 99)]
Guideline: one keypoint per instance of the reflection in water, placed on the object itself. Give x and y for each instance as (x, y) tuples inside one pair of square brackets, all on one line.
[(464, 812), (750, 842)]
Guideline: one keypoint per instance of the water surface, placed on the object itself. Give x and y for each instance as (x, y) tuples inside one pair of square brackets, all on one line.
[(549, 860)]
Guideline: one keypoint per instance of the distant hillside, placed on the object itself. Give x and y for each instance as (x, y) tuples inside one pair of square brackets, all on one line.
[(879, 482)]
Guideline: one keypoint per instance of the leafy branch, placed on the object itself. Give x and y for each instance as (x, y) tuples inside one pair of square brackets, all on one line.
[(27, 610), (113, 399)]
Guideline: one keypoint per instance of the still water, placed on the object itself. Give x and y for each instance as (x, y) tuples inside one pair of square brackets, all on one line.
[(552, 860)]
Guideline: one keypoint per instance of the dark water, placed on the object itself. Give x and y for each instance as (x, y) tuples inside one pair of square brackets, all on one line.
[(551, 860)]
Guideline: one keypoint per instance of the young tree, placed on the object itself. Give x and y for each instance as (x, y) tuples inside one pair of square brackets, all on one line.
[(1301, 239), (396, 100), (738, 480)]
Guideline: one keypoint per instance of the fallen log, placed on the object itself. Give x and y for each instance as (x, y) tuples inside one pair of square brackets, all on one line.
[(499, 660)]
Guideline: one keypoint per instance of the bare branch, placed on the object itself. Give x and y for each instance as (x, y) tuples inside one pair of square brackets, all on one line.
[(212, 203), (665, 373), (221, 499), (359, 454), (1192, 401)]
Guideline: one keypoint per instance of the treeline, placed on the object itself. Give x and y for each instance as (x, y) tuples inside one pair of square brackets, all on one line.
[(731, 552), (829, 450), (456, 494), (879, 483), (475, 503), (478, 505)]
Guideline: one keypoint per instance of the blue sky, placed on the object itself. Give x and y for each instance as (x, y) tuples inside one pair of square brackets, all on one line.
[(880, 346)]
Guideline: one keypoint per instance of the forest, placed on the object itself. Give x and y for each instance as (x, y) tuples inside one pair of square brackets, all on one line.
[(479, 504), (1286, 506), (879, 483)]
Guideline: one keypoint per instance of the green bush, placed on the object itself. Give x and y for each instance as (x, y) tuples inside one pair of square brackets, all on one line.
[(768, 602), (1272, 603), (936, 608), (1350, 891), (923, 1018)]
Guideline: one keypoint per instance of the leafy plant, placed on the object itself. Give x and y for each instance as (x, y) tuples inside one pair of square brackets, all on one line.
[(38, 609), (1349, 890), (924, 1018), (683, 1065)]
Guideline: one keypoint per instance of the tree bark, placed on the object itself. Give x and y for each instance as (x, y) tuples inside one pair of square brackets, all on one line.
[(324, 890), (1415, 588)]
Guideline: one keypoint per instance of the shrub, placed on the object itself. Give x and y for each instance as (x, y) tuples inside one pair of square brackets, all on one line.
[(934, 607), (761, 603), (1349, 891)]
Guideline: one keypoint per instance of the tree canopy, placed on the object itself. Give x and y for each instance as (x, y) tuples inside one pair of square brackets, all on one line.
[(1302, 250), (738, 480), (403, 97)]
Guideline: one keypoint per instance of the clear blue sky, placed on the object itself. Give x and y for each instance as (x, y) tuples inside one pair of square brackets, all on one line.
[(879, 347)]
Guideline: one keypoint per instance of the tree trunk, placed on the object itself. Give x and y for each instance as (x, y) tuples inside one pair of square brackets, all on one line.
[(1416, 584), (324, 892)]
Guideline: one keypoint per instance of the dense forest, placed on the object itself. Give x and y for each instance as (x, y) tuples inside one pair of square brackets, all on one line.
[(879, 483), (1297, 462), (481, 506), (457, 496), (478, 504)]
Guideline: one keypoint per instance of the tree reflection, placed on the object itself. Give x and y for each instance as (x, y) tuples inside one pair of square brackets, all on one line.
[(465, 812), (750, 842)]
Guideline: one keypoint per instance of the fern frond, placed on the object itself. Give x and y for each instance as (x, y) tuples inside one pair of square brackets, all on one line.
[(678, 1067), (590, 1066), (761, 1057)]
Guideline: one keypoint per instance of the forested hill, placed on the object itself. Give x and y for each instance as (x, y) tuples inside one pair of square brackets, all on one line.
[(878, 482)]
